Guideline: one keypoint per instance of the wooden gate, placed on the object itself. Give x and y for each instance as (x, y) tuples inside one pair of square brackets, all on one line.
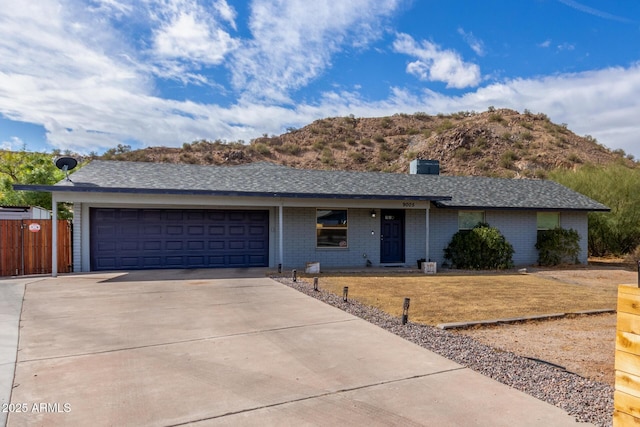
[(25, 247)]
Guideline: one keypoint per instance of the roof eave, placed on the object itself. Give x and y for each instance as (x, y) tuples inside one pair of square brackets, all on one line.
[(227, 193), (522, 208)]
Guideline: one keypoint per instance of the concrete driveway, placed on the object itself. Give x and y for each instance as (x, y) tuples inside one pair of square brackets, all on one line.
[(224, 347)]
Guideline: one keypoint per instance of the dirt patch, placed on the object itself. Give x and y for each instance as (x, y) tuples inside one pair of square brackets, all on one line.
[(581, 344)]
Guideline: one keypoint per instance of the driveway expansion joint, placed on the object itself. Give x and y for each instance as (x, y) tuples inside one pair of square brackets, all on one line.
[(240, 334), (320, 395)]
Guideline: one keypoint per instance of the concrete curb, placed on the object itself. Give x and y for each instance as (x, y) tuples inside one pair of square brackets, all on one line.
[(492, 322)]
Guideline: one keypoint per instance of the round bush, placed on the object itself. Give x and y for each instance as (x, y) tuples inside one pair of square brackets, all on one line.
[(482, 247)]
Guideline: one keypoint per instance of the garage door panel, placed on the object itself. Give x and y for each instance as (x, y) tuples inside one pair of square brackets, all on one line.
[(174, 261), (153, 245), (257, 244), (174, 215), (126, 245), (107, 246), (105, 214), (129, 215), (197, 245), (152, 262), (256, 260), (195, 230), (216, 260), (106, 229), (196, 261), (129, 262), (150, 230), (236, 245), (237, 230), (107, 263), (174, 230), (216, 245), (237, 260), (157, 238)]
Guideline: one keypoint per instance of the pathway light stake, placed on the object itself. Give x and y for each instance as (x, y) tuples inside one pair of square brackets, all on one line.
[(294, 276), (279, 268), (345, 293), (405, 311), (315, 284)]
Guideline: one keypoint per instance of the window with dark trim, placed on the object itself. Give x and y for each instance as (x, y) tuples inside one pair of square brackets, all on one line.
[(331, 228), (469, 219), (548, 220)]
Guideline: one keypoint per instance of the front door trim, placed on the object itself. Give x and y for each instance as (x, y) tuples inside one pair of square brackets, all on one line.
[(392, 240)]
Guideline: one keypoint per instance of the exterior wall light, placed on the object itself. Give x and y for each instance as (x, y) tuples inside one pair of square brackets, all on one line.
[(372, 213)]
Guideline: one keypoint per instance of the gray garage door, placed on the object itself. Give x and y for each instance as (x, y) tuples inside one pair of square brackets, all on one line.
[(135, 239)]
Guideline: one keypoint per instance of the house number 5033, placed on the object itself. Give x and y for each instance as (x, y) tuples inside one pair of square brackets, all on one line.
[(408, 204)]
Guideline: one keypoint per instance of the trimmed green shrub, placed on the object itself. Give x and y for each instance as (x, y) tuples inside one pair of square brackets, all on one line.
[(558, 246), (482, 247)]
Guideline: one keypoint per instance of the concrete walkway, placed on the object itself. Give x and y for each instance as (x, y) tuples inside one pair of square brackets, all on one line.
[(11, 294), (176, 348)]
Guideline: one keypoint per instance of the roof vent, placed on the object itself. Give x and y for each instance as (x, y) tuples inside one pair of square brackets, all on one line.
[(424, 167)]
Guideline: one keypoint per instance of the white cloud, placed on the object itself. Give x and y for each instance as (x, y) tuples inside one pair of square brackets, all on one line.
[(293, 42), (474, 43), (566, 46), (188, 31), (112, 7), (227, 13), (434, 64), (13, 144), (595, 12)]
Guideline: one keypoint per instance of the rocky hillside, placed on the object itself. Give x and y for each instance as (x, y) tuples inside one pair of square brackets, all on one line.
[(498, 142)]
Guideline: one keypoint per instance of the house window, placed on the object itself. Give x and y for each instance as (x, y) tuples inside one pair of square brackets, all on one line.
[(548, 220), (331, 228), (469, 219)]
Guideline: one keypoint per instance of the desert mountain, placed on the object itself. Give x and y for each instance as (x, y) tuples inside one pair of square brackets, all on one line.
[(498, 142)]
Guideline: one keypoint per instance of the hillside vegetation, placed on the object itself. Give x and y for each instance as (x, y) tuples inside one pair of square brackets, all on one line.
[(498, 142), (617, 186)]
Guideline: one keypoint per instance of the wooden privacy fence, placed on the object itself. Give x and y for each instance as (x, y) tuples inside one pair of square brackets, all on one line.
[(627, 393), (26, 245)]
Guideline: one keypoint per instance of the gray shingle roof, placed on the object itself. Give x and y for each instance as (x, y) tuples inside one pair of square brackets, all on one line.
[(266, 179)]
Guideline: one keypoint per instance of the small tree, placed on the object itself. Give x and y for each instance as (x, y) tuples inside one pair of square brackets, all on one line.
[(558, 246), (482, 247)]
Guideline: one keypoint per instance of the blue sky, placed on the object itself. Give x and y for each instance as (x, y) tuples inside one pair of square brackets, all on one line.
[(86, 75)]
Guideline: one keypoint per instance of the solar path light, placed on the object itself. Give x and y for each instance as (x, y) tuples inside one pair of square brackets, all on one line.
[(405, 311)]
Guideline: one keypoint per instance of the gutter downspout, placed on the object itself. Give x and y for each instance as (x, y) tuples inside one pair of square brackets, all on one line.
[(280, 235), (427, 257)]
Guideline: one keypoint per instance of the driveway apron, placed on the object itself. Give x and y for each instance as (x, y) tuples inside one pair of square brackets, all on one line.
[(214, 347)]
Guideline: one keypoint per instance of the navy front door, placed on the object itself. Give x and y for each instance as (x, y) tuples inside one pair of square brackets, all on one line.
[(136, 239), (392, 236)]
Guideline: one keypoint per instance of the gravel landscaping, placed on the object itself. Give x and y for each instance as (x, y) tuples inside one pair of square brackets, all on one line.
[(585, 399)]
